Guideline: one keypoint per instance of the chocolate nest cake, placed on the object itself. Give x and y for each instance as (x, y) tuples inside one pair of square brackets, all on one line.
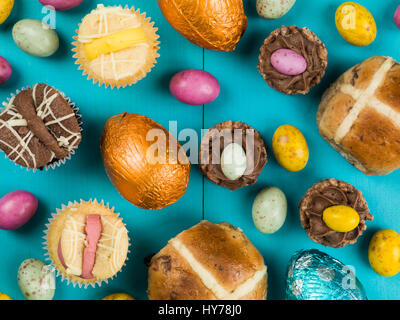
[(323, 195), (232, 132), (304, 42), (38, 127)]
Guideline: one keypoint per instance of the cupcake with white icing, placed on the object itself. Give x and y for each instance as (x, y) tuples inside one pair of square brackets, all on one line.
[(40, 127), (86, 242), (116, 46)]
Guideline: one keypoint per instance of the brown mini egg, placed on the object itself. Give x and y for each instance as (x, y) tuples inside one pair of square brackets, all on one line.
[(211, 24), (144, 161)]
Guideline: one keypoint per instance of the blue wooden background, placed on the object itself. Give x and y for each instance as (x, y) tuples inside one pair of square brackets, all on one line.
[(244, 96)]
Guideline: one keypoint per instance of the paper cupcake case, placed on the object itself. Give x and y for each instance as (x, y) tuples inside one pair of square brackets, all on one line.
[(52, 265), (82, 62), (57, 163)]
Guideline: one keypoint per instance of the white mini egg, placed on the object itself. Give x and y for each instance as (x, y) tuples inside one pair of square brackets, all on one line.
[(269, 210), (233, 161)]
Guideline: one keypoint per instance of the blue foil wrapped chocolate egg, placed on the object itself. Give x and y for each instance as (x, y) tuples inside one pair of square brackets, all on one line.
[(314, 275)]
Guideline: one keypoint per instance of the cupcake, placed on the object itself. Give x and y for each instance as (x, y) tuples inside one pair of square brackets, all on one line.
[(232, 155), (345, 198), (296, 49), (86, 242), (39, 128), (116, 46)]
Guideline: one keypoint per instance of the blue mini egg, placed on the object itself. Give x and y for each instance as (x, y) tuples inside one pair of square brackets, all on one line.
[(314, 275)]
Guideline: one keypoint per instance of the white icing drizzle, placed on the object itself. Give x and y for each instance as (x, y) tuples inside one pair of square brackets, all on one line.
[(43, 111), (71, 226), (103, 31)]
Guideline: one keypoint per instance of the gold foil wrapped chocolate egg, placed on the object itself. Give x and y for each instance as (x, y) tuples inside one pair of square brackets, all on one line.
[(211, 24), (144, 161)]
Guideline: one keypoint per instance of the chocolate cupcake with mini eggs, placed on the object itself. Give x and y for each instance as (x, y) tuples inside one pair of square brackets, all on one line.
[(40, 127), (293, 60), (116, 46), (334, 213), (232, 155), (86, 242)]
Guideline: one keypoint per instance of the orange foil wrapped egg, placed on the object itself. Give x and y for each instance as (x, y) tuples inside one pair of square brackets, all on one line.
[(211, 24), (144, 161)]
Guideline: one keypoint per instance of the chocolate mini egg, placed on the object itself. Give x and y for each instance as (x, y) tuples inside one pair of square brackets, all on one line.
[(233, 161), (35, 38), (269, 210), (314, 275), (355, 24), (5, 9), (119, 296), (36, 280), (3, 296), (274, 9), (290, 148), (288, 62), (5, 70), (397, 17), (384, 252), (341, 218)]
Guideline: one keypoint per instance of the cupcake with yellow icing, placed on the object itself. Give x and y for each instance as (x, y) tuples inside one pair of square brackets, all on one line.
[(87, 243), (116, 46)]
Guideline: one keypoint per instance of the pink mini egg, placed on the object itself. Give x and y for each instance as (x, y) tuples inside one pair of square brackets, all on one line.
[(288, 62), (5, 70), (397, 17)]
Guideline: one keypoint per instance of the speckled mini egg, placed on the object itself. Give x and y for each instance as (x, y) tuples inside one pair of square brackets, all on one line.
[(290, 148), (35, 37), (3, 296), (269, 210), (5, 9), (314, 275), (384, 252), (273, 9), (288, 62), (233, 161), (355, 24), (36, 280), (119, 296)]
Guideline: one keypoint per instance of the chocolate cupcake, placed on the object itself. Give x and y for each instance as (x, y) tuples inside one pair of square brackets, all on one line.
[(303, 42), (232, 155), (39, 127), (326, 194)]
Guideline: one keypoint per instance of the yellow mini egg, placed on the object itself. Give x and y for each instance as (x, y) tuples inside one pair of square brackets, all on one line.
[(341, 218), (3, 296), (384, 252), (5, 9), (290, 148), (355, 24), (119, 296)]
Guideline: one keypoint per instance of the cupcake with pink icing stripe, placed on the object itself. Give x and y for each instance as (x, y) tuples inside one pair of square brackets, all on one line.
[(87, 243)]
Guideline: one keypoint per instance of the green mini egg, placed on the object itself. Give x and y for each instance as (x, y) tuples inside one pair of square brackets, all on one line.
[(269, 210), (35, 37), (273, 9), (36, 280)]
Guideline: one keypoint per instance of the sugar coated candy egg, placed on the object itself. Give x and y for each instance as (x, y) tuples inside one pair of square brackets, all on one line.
[(35, 37), (5, 70), (290, 148), (5, 9), (269, 210), (273, 9), (119, 296), (315, 275), (61, 5), (355, 24), (288, 62), (341, 218), (233, 161), (36, 280), (3, 296), (397, 17), (384, 252)]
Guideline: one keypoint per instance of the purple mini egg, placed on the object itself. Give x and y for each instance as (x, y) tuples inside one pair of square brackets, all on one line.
[(397, 17), (288, 62), (5, 70)]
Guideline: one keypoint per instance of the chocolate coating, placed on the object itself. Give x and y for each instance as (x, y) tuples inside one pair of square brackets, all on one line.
[(209, 157), (304, 42), (323, 195)]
